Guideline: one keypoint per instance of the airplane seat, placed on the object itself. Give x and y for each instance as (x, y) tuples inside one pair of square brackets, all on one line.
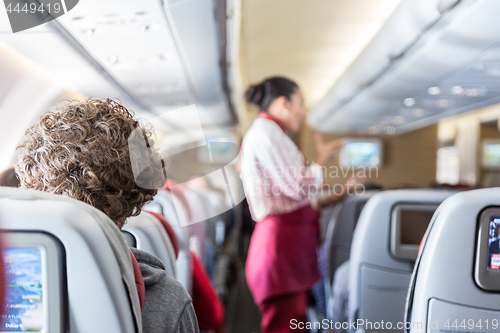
[(326, 217), (175, 212), (214, 224), (384, 249), (151, 236), (139, 280), (69, 267), (456, 281), (197, 225), (170, 231), (340, 230)]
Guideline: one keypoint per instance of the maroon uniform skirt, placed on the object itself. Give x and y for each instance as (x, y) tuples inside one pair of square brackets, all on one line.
[(282, 257)]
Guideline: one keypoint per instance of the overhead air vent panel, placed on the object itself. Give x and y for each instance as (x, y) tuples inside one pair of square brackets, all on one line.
[(140, 45), (451, 66)]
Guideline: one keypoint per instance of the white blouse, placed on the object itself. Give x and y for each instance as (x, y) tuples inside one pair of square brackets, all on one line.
[(275, 175)]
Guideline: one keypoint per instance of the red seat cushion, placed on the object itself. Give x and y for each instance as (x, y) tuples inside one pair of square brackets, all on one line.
[(139, 281), (170, 231), (209, 309), (172, 187)]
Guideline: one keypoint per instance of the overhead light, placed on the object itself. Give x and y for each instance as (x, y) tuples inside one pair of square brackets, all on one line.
[(114, 59), (391, 130), (374, 129), (442, 103), (398, 120), (457, 90), (434, 91), (417, 113), (471, 92), (409, 101), (92, 31)]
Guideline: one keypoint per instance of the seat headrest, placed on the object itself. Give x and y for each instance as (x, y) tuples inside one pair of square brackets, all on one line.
[(170, 231), (109, 230)]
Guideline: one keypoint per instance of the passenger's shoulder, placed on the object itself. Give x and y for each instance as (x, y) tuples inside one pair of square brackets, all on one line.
[(176, 289)]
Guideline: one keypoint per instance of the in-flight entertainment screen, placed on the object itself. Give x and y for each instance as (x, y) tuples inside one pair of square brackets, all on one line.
[(24, 308), (491, 154), (361, 154), (414, 223), (493, 243)]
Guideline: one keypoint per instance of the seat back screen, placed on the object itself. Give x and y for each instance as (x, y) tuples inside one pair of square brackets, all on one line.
[(413, 225), (493, 244), (24, 301)]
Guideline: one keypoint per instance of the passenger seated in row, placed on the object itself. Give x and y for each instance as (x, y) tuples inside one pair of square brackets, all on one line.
[(81, 151)]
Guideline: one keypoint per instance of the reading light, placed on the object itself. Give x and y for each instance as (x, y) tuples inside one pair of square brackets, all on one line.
[(417, 113), (409, 101), (457, 90), (471, 92), (398, 120), (434, 91)]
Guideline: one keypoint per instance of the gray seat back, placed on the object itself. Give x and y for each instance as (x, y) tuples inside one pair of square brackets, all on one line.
[(84, 250), (452, 287), (340, 230), (151, 236), (383, 252), (170, 211)]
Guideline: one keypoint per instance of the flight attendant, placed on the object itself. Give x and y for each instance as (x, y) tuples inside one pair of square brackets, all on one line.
[(282, 261)]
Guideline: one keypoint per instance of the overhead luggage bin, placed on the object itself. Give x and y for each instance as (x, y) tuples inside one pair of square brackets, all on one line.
[(151, 236), (455, 285), (383, 252), (73, 261)]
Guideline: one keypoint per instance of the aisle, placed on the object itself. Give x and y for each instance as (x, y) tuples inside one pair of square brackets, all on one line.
[(242, 313)]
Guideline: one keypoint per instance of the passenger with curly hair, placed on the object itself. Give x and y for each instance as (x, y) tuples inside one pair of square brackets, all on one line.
[(82, 151)]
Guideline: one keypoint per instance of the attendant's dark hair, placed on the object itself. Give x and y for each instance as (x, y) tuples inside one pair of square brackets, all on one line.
[(264, 93)]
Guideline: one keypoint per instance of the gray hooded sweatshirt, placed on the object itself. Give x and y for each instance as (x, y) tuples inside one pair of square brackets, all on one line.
[(168, 307)]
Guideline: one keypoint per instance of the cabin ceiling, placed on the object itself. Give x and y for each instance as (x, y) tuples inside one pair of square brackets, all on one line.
[(312, 42)]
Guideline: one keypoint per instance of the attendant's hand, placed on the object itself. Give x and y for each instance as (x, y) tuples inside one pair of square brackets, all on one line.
[(325, 150), (349, 188)]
